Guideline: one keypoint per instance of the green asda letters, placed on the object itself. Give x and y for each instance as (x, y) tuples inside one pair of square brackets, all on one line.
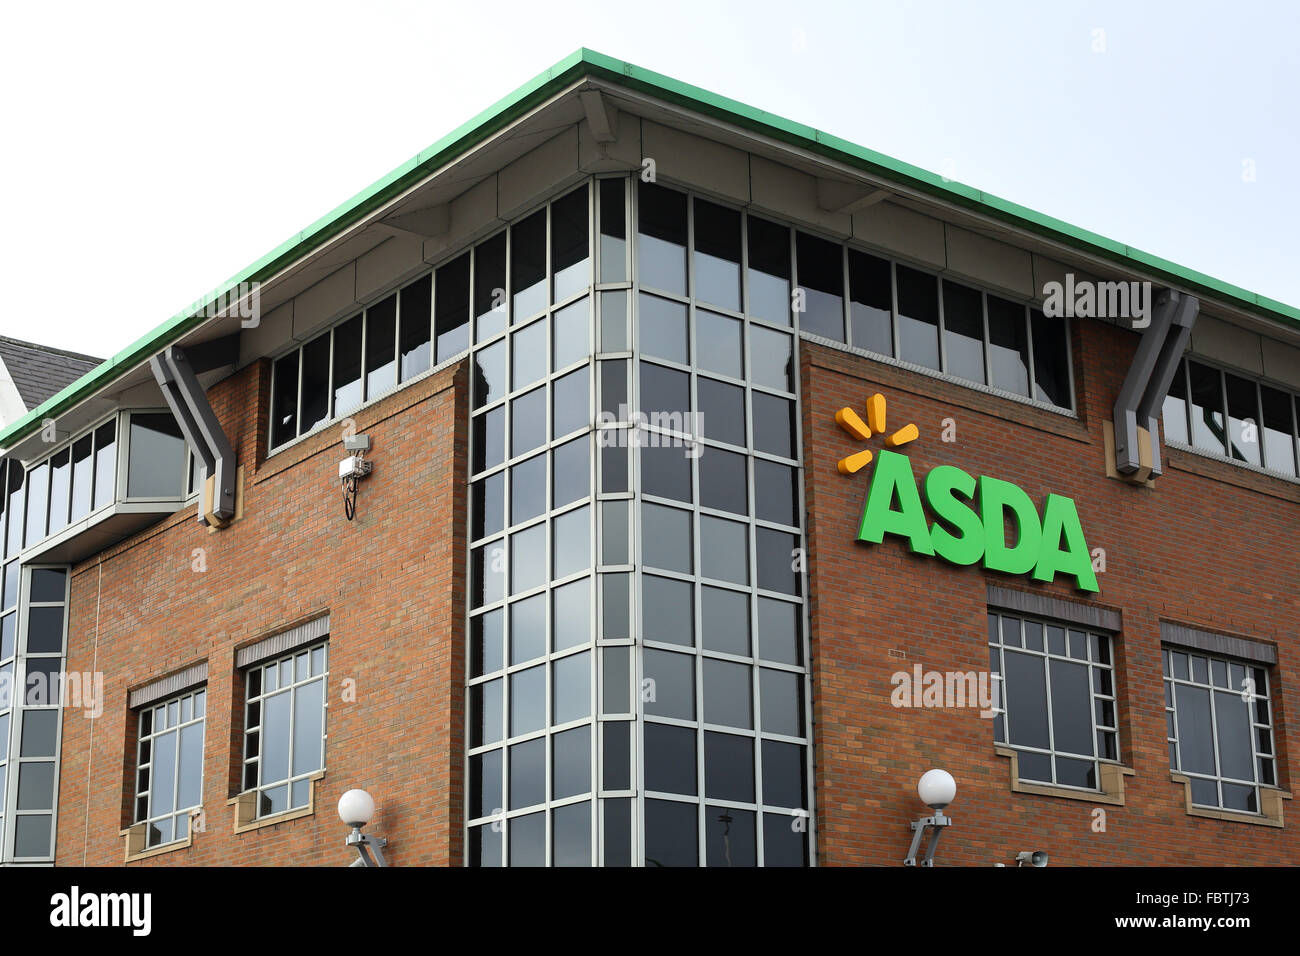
[(971, 522)]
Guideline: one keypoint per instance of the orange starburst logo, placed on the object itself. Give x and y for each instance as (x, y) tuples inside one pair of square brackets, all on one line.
[(849, 420)]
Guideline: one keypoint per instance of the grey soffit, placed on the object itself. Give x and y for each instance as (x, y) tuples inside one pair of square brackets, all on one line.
[(1212, 643), (168, 686), (39, 371), (284, 641), (1056, 608)]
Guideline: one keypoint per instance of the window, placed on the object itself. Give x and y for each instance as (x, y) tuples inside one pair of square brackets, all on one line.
[(381, 347), (1054, 693), (361, 359), (284, 728), (661, 238), (156, 460), (717, 255), (451, 308), (724, 743), (582, 548), (80, 477), (1232, 416), (821, 279), (31, 728), (1220, 729), (169, 766), (11, 574), (613, 231), (871, 304)]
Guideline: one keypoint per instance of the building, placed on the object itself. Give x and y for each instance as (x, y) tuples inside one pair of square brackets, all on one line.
[(623, 586), (31, 373)]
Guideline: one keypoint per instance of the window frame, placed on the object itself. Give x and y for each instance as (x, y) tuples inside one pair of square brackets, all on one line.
[(894, 261), (261, 786), (1260, 382), (194, 694), (1169, 684), (1001, 719), (697, 653)]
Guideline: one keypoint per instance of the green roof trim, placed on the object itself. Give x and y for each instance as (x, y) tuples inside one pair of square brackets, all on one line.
[(586, 62)]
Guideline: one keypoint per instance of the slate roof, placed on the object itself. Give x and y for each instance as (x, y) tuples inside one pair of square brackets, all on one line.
[(40, 371)]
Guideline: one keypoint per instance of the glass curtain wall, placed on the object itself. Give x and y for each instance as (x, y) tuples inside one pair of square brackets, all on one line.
[(637, 672)]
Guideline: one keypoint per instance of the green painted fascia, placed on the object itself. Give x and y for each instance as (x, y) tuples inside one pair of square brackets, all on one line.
[(586, 62)]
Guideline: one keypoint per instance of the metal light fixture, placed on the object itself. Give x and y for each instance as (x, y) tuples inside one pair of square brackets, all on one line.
[(356, 807), (936, 789)]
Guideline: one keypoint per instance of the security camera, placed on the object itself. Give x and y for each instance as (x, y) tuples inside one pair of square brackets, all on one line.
[(1034, 858)]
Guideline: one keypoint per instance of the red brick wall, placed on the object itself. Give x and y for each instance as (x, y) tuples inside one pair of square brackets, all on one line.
[(1212, 545), (393, 583)]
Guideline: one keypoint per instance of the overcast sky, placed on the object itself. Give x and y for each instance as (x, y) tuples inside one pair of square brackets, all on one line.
[(151, 151)]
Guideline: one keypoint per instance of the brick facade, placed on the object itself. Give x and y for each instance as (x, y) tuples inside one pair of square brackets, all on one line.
[(392, 581), (1212, 545)]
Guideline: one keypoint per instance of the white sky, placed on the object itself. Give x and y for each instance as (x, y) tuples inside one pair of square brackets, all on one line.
[(151, 151)]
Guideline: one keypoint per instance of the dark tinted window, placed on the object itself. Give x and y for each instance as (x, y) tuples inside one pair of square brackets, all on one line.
[(1208, 430), (963, 331), (773, 425), (1051, 360), (769, 271), (666, 473), (821, 279), (1243, 419), (671, 834), (613, 231), (347, 367), (722, 411), (284, 402), (717, 255), (723, 481), (775, 492), (451, 308), (1008, 345), (918, 317), (664, 392), (1279, 445), (381, 344), (490, 306), (315, 383), (871, 303), (528, 266), (661, 239), (570, 263), (413, 341)]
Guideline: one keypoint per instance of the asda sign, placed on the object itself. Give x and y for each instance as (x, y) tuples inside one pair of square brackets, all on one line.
[(969, 525)]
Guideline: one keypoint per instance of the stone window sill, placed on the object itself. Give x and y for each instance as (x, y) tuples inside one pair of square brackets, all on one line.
[(245, 805), (1111, 791), (137, 834), (1270, 799)]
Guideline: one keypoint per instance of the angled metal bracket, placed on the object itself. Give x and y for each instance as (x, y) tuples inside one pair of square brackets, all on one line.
[(186, 398), (935, 825), (1149, 376), (365, 847)]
